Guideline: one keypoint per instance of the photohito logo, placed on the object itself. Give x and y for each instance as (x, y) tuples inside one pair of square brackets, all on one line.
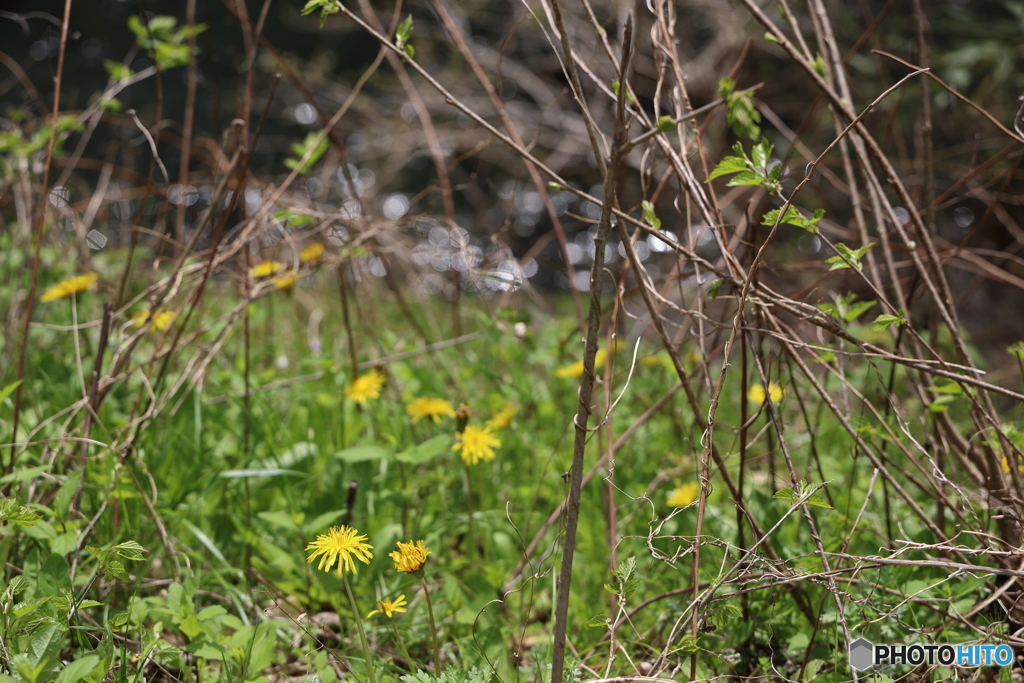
[(864, 655)]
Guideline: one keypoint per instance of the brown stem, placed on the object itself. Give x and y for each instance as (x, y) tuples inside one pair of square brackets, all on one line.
[(564, 583), (40, 219)]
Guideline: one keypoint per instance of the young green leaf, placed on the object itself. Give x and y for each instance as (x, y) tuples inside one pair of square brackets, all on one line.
[(761, 153), (793, 217), (649, 214), (848, 257), (666, 124), (728, 165), (885, 321), (404, 32)]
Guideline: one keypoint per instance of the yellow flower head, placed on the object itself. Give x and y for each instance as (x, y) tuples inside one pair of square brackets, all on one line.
[(365, 387), (388, 608), (684, 495), (313, 252), (72, 285), (502, 418), (285, 281), (476, 444), (434, 408), (161, 320), (410, 557), (339, 544), (265, 269), (757, 394), (576, 369)]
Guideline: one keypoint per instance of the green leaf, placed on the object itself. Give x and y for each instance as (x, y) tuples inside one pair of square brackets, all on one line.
[(426, 451), (848, 256), (404, 32), (25, 474), (8, 390), (740, 113), (130, 550), (116, 569), (858, 309), (552, 185), (10, 511), (409, 50), (728, 165), (746, 178), (649, 214), (363, 454), (1015, 349), (599, 620), (941, 404), (78, 669), (951, 389), (770, 37), (819, 65), (714, 287), (885, 321), (191, 627), (666, 124), (817, 501), (761, 152), (117, 71), (793, 217), (314, 146), (786, 494)]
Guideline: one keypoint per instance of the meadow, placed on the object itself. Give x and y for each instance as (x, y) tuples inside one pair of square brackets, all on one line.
[(398, 403)]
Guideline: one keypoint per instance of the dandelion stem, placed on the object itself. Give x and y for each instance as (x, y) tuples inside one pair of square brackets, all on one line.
[(401, 646), (469, 510), (438, 664), (359, 626)]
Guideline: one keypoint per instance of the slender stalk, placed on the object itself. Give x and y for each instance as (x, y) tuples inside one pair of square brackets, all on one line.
[(401, 644), (40, 220), (572, 506), (469, 510), (438, 664), (359, 626)]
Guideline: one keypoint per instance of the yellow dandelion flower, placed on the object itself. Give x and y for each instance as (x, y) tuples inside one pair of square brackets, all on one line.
[(366, 387), (161, 321), (476, 444), (285, 281), (757, 394), (313, 252), (265, 269), (388, 608), (410, 557), (503, 418), (434, 408), (339, 544), (576, 369), (72, 285), (684, 495)]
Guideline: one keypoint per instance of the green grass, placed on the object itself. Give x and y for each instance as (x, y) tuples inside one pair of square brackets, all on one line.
[(238, 512)]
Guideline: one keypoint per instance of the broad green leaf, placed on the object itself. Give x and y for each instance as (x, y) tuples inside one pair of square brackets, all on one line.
[(728, 165), (78, 669), (428, 450), (362, 454), (786, 494), (885, 321), (761, 152), (746, 178)]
